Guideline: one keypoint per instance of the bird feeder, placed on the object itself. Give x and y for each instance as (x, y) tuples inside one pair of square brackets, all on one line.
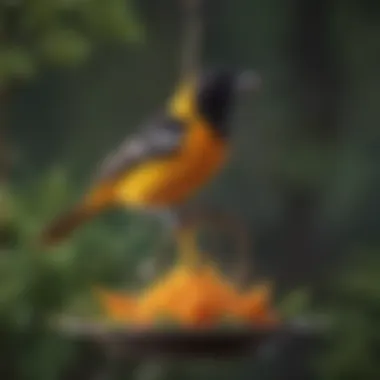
[(191, 310)]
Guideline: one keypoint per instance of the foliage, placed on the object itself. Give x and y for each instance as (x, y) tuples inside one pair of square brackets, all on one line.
[(60, 32), (36, 284), (296, 303), (354, 304)]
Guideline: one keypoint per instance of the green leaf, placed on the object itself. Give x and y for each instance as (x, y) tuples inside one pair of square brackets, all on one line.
[(21, 63), (39, 14), (16, 63), (65, 47), (114, 20), (297, 302), (58, 351)]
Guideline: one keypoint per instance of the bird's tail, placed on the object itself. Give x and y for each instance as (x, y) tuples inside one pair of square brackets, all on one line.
[(92, 204), (65, 224)]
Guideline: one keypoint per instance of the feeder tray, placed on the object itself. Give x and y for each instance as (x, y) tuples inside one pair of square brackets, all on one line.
[(129, 340), (176, 342)]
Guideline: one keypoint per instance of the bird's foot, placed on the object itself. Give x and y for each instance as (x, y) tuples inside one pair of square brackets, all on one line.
[(188, 250), (185, 230)]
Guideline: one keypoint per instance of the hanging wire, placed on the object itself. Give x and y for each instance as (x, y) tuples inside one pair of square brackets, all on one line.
[(192, 42)]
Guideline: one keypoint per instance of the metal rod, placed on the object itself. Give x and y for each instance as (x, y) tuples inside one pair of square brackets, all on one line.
[(192, 43)]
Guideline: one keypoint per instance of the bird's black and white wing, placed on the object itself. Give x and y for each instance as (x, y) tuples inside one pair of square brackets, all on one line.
[(159, 139)]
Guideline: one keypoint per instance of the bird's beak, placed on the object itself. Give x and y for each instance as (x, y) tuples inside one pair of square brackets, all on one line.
[(248, 81)]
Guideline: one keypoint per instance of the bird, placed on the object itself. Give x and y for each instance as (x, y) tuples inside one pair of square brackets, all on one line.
[(170, 158)]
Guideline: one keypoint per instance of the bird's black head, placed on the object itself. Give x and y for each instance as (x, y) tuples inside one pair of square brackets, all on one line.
[(217, 92)]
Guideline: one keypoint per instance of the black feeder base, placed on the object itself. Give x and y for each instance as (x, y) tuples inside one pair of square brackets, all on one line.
[(133, 342)]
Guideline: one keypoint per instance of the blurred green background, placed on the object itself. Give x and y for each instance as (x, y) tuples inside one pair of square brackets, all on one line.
[(76, 76)]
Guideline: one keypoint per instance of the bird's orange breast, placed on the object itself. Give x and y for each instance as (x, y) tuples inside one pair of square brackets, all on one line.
[(171, 180)]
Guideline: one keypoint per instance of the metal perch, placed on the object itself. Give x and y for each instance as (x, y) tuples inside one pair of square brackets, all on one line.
[(159, 342)]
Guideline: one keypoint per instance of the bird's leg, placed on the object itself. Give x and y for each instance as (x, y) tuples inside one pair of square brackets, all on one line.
[(185, 232)]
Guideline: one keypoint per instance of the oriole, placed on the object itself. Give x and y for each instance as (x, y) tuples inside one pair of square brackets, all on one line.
[(170, 158)]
